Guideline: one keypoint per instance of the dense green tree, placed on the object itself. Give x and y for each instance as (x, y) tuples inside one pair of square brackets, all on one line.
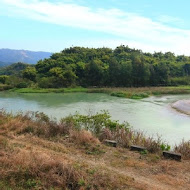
[(94, 73), (140, 71), (30, 73), (3, 78), (121, 67), (186, 69), (125, 78), (114, 72)]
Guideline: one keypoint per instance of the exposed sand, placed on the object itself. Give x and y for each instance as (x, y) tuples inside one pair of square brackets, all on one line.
[(182, 106)]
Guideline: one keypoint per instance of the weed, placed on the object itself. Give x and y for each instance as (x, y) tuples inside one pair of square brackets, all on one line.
[(81, 182), (91, 171), (184, 149), (165, 147), (32, 183), (144, 152), (94, 150)]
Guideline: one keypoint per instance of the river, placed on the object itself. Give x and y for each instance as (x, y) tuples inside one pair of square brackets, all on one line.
[(152, 115)]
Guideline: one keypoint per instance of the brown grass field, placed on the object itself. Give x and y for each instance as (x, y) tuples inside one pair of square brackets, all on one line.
[(34, 154)]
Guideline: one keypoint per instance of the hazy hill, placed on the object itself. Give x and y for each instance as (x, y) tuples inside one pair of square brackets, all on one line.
[(8, 56), (4, 64)]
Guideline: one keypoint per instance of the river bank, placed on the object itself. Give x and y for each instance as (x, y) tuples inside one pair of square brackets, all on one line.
[(182, 106), (132, 93), (38, 153)]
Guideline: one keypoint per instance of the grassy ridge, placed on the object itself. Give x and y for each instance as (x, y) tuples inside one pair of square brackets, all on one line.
[(4, 87), (140, 93), (38, 153), (132, 93), (48, 90)]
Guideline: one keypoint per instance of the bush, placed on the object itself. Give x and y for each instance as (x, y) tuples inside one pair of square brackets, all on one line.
[(22, 85), (5, 87), (184, 149), (180, 81), (83, 137), (45, 82), (3, 79), (94, 123)]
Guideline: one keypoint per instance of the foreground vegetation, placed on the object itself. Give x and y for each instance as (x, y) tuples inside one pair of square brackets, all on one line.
[(39, 153)]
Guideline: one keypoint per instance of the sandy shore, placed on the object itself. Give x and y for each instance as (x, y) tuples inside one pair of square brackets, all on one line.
[(182, 106)]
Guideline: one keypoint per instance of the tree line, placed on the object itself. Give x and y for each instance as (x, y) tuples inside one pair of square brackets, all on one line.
[(101, 67)]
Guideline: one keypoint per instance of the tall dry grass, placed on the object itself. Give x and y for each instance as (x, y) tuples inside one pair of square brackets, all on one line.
[(128, 137), (184, 149), (22, 168), (40, 125), (141, 92), (83, 137), (32, 169)]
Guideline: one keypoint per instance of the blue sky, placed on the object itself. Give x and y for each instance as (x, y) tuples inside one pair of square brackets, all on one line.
[(47, 25)]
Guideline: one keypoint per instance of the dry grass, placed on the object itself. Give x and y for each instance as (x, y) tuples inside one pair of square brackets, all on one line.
[(33, 156), (45, 167), (83, 137), (31, 169), (128, 137), (170, 180), (142, 92), (23, 168), (184, 149)]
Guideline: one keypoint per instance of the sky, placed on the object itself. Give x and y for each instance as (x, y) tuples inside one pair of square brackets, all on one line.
[(52, 25)]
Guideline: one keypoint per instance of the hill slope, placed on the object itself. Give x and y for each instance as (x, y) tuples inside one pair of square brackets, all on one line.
[(25, 56), (36, 154), (4, 64)]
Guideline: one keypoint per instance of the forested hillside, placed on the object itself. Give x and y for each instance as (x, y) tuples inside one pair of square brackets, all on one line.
[(104, 67)]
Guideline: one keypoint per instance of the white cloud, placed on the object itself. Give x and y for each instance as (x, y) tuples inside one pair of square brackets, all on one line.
[(136, 30), (170, 19)]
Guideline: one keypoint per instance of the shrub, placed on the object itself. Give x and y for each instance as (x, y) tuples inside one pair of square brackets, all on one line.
[(180, 81), (184, 149), (94, 123), (22, 85), (83, 137), (3, 79), (118, 94), (45, 82)]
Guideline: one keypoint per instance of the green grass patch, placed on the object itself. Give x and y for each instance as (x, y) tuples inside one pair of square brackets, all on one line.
[(48, 90), (5, 186), (77, 89), (118, 94), (132, 93), (140, 96)]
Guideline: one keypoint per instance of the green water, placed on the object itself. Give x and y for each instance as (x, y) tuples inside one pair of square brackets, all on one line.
[(152, 115)]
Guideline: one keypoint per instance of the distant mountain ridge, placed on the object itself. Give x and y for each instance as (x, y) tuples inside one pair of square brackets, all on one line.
[(4, 64), (8, 56)]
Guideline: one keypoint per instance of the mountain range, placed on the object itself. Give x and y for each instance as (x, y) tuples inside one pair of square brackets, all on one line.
[(9, 56)]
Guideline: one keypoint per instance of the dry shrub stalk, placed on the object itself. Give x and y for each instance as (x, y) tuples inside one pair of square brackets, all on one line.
[(184, 149), (83, 137), (22, 167)]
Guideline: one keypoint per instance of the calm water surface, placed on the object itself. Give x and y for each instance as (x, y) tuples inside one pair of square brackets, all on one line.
[(153, 115)]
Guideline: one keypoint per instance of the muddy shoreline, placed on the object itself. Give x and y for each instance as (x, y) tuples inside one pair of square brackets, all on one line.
[(182, 106)]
